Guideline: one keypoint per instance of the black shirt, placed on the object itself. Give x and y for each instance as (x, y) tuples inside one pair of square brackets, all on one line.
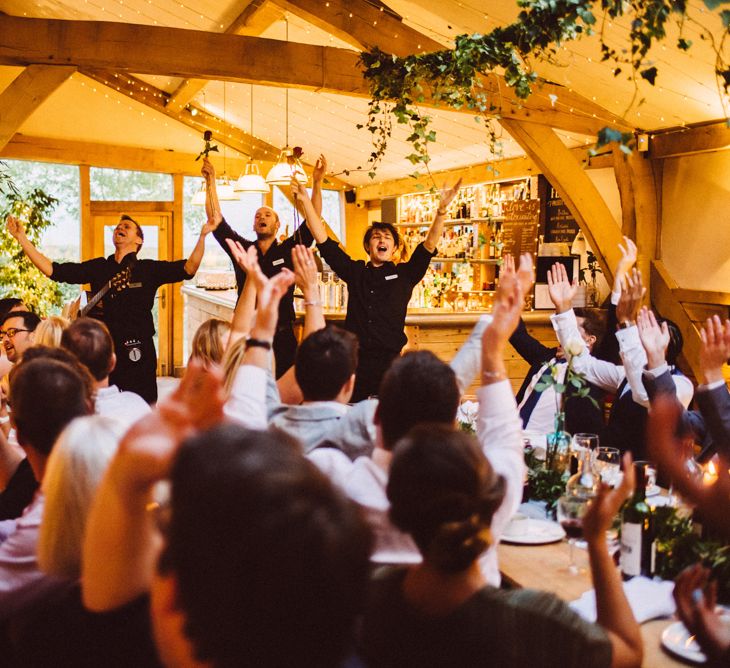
[(378, 297), (127, 313), (276, 258)]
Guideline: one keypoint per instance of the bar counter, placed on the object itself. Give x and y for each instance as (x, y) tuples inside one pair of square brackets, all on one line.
[(439, 330)]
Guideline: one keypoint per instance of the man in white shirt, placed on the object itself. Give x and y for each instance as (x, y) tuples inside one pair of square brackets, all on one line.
[(90, 340)]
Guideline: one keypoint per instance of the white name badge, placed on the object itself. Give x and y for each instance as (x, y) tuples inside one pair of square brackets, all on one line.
[(279, 261), (391, 277)]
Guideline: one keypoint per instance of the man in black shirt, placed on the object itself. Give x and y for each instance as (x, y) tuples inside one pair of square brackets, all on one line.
[(272, 255), (379, 290), (127, 306)]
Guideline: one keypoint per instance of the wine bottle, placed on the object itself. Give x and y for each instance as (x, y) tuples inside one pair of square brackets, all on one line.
[(637, 540)]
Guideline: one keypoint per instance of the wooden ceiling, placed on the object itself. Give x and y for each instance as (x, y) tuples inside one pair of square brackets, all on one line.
[(136, 85)]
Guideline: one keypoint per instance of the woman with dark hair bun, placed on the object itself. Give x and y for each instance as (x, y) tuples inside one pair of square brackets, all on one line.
[(443, 491)]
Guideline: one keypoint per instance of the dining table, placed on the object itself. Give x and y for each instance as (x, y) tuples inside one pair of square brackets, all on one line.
[(544, 567)]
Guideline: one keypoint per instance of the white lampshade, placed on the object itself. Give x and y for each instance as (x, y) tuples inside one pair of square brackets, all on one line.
[(199, 196), (225, 189), (286, 167), (251, 180)]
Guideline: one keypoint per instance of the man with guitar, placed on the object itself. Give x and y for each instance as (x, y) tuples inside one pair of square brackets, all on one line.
[(127, 287)]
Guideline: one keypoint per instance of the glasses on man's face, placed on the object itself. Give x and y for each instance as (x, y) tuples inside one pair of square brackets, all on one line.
[(11, 332)]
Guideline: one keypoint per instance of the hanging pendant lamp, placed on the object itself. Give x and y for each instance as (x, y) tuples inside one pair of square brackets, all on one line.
[(251, 180)]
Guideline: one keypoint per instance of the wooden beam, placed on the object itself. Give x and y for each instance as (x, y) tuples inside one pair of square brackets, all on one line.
[(195, 54), (87, 225), (702, 296), (25, 94), (363, 25), (566, 175), (663, 290), (111, 207), (255, 17), (144, 49), (178, 303), (501, 170), (713, 136)]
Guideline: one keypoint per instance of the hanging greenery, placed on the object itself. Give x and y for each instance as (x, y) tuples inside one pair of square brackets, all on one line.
[(455, 77), (18, 275)]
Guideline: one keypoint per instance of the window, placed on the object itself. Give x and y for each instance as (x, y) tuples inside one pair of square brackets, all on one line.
[(122, 184), (331, 211)]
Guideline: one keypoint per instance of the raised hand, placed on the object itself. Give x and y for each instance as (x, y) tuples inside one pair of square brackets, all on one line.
[(663, 442), (632, 294), (320, 168), (448, 194), (607, 502), (305, 270), (15, 227), (627, 261), (696, 599), (715, 350), (654, 337), (207, 170), (506, 312), (560, 288), (248, 259), (270, 292), (208, 227), (147, 450), (298, 190)]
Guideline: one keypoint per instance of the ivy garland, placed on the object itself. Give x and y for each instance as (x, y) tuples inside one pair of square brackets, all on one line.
[(454, 76)]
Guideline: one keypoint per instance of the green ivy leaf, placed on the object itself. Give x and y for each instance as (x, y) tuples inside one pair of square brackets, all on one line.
[(684, 44), (650, 74)]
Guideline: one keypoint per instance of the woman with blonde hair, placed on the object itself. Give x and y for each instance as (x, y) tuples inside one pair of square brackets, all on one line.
[(49, 331), (210, 341), (62, 632)]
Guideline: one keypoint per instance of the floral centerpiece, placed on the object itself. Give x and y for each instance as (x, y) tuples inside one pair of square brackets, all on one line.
[(546, 478)]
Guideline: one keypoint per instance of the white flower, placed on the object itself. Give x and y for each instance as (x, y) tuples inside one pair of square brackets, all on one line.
[(575, 347)]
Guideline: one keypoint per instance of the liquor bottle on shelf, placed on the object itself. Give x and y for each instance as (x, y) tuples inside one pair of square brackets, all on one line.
[(637, 540)]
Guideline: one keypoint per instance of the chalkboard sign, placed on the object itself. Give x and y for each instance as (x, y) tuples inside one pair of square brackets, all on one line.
[(560, 226), (520, 226)]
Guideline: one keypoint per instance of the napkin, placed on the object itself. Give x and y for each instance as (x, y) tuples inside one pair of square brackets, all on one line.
[(649, 599)]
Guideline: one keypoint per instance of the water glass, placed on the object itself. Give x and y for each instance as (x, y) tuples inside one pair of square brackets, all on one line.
[(607, 464), (585, 441)]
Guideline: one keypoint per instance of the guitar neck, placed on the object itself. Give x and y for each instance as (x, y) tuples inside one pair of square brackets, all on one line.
[(95, 299)]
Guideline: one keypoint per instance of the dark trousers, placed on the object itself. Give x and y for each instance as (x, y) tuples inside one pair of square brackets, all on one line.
[(285, 349), (136, 369), (371, 367)]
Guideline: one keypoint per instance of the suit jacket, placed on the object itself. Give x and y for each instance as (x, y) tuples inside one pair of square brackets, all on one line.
[(580, 413), (714, 404)]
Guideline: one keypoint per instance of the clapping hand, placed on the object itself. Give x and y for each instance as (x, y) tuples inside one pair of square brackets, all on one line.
[(628, 260), (305, 270), (15, 227), (632, 294), (320, 168), (448, 194)]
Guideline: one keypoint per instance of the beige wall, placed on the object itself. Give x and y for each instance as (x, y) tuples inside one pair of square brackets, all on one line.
[(695, 228)]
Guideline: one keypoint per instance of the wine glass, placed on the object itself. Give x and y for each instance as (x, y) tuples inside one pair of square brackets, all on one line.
[(571, 510), (585, 441), (607, 464)]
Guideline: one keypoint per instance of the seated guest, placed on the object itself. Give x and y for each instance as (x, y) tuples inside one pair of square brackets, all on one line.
[(420, 388), (626, 425), (49, 330), (324, 368), (63, 632), (47, 395), (262, 562), (90, 341), (210, 341), (17, 333), (442, 612), (8, 304)]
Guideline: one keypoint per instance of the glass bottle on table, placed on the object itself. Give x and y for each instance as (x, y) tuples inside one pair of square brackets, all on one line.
[(637, 540), (584, 482)]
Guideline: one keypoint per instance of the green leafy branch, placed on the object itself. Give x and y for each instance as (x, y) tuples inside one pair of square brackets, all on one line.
[(455, 77)]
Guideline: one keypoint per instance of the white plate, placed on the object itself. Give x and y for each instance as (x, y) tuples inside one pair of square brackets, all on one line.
[(679, 641), (653, 490), (532, 532)]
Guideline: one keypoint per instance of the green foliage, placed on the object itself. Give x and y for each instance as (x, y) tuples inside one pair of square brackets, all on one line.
[(545, 483), (678, 546), (453, 77), (18, 276)]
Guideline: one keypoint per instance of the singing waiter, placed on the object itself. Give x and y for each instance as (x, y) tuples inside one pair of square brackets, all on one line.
[(127, 304)]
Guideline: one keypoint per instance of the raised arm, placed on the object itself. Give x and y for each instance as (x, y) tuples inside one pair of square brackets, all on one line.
[(246, 304), (212, 206), (17, 231), (624, 266), (437, 226), (560, 288), (318, 174), (196, 257), (121, 545), (613, 611), (314, 220)]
